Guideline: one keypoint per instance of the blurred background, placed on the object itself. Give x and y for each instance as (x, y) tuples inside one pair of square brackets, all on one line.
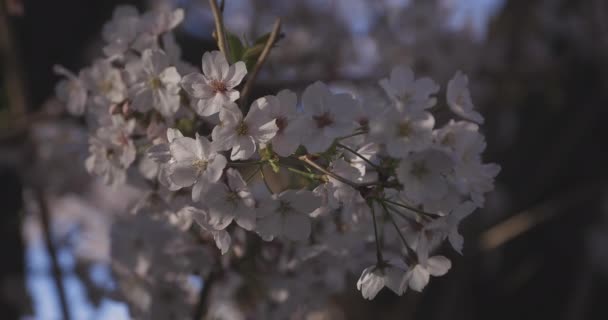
[(539, 74)]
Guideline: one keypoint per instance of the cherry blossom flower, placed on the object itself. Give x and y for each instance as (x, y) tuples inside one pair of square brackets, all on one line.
[(215, 87), (120, 32), (459, 98), (418, 275), (407, 92), (242, 135), (201, 217), (282, 108), (402, 132), (155, 23), (112, 151), (286, 215), (327, 115), (374, 278), (105, 82), (196, 164), (232, 201), (156, 85), (71, 91), (423, 176)]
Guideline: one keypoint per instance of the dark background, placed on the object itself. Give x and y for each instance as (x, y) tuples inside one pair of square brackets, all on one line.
[(539, 250)]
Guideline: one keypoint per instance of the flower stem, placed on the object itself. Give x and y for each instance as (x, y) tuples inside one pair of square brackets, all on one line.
[(410, 252), (261, 59), (378, 250), (428, 214), (219, 27), (373, 165), (313, 164)]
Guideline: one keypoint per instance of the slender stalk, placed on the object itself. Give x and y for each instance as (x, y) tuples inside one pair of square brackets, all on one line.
[(378, 250), (245, 164), (219, 27), (328, 173), (304, 173), (45, 220), (261, 59), (431, 215), (410, 252), (351, 135), (373, 165), (399, 213), (255, 172)]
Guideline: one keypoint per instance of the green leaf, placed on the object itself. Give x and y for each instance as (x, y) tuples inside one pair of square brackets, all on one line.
[(252, 53), (235, 46)]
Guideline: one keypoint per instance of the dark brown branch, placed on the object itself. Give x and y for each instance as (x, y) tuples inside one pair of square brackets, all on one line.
[(57, 272)]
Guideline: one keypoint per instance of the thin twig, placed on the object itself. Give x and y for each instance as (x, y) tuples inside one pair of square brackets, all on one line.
[(276, 29), (379, 258), (328, 173), (13, 75), (45, 219), (431, 215), (219, 27)]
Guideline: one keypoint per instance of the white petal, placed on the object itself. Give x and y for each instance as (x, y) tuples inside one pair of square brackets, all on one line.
[(296, 227), (418, 278), (222, 240), (182, 174), (235, 74), (215, 168), (438, 265), (184, 149)]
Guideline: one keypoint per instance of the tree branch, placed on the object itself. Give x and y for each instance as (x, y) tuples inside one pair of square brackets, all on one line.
[(276, 29), (219, 27)]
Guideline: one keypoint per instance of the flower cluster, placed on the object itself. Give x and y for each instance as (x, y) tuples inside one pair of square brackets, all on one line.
[(376, 174)]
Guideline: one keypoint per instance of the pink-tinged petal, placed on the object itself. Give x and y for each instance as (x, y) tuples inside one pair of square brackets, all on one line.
[(401, 77), (296, 227), (183, 174), (222, 240), (204, 148), (392, 279), (196, 85), (269, 226), (246, 218), (154, 61), (419, 278), (285, 145), (170, 76), (184, 149), (173, 134), (215, 168), (211, 106), (287, 100), (143, 100), (313, 98), (210, 69), (302, 201), (221, 64), (232, 95), (235, 74), (267, 131), (243, 149), (438, 265)]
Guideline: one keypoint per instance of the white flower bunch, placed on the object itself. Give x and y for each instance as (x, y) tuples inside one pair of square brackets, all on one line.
[(363, 170)]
